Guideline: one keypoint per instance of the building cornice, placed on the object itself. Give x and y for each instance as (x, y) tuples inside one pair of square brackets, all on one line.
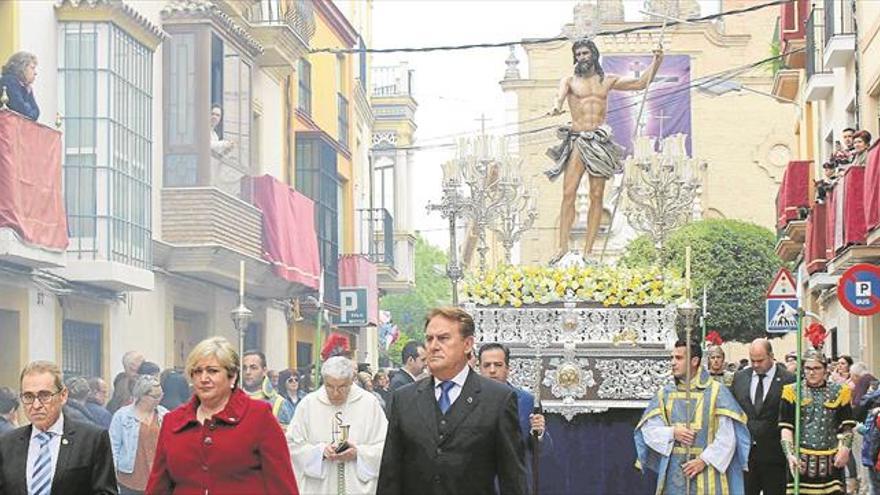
[(206, 10), (337, 22), (116, 11)]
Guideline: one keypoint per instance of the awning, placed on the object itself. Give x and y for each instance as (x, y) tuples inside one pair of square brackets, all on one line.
[(31, 203), (289, 240)]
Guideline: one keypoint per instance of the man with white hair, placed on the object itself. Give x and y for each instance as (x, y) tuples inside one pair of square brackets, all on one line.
[(337, 435), (123, 382)]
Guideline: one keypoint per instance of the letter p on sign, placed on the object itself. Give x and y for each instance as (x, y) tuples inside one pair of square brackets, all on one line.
[(863, 289)]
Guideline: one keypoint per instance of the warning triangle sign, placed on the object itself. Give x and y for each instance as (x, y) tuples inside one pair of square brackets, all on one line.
[(783, 286)]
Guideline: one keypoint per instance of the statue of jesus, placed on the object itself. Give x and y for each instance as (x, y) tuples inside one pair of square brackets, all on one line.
[(587, 144)]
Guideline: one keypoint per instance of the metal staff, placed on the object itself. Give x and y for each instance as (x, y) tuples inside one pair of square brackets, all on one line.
[(536, 448), (635, 133)]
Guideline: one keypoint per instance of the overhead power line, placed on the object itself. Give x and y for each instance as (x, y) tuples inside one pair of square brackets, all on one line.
[(539, 41), (670, 97)]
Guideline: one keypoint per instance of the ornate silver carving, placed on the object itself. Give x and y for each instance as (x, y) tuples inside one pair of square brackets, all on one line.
[(525, 373), (540, 327), (631, 378), (571, 376), (569, 411)]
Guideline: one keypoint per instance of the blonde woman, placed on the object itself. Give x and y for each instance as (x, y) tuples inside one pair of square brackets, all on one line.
[(221, 441)]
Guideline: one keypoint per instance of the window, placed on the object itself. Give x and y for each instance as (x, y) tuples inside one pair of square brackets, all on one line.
[(105, 81), (362, 64), (342, 104), (81, 349), (305, 87), (197, 152), (317, 178), (383, 190)]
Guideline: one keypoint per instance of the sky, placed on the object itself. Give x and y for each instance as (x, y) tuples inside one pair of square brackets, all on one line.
[(454, 89)]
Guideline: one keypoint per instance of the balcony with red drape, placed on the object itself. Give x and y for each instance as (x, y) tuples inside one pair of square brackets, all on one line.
[(794, 192)]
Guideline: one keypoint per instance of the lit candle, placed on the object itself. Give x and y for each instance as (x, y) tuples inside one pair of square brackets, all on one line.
[(687, 270), (241, 281)]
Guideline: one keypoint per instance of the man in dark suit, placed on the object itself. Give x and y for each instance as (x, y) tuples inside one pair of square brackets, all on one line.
[(413, 358), (758, 390), (463, 432), (494, 362), (53, 454)]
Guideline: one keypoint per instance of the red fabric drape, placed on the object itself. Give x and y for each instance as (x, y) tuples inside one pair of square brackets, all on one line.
[(793, 192), (31, 202), (289, 240), (872, 189), (356, 270), (831, 221), (853, 185), (814, 245)]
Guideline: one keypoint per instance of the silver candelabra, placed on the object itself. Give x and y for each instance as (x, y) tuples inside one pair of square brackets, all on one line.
[(662, 189), (496, 199)]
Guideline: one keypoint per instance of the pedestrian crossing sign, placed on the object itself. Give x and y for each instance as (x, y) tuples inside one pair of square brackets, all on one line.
[(782, 315)]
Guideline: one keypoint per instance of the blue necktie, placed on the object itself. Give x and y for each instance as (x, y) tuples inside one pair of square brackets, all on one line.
[(445, 403), (41, 481)]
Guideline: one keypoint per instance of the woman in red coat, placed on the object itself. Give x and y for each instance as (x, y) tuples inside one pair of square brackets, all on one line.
[(221, 441)]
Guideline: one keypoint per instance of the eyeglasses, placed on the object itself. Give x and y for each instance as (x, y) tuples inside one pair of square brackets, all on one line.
[(292, 379), (43, 396)]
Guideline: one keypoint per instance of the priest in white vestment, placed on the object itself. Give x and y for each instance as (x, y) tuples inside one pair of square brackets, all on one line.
[(317, 431)]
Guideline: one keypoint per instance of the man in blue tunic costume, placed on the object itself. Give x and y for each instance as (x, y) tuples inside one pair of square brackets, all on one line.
[(710, 449)]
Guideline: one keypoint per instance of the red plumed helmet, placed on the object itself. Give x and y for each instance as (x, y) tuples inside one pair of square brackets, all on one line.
[(336, 345), (816, 334), (714, 338)]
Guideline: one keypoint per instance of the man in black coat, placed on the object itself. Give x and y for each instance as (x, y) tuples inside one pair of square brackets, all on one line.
[(53, 454), (456, 432), (413, 358), (758, 390)]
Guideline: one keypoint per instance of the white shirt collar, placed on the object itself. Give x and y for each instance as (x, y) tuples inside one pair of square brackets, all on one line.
[(770, 373), (458, 379), (57, 428)]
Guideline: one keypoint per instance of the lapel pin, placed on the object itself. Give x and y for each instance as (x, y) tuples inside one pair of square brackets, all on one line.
[(64, 441), (470, 400)]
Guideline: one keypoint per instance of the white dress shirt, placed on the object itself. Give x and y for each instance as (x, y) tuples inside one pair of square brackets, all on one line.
[(455, 391), (768, 379), (54, 446), (718, 454)]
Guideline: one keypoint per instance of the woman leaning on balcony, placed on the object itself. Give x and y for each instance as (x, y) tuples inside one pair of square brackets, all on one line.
[(19, 74)]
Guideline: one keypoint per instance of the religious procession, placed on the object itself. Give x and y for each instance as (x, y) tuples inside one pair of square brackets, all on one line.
[(322, 247)]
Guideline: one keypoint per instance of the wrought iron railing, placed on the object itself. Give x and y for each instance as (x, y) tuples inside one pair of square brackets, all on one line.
[(298, 14), (815, 46), (378, 235), (838, 18)]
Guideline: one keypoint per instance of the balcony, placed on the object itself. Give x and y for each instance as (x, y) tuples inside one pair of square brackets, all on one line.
[(786, 83), (377, 229), (840, 38), (33, 222), (393, 252), (820, 80), (207, 232), (792, 25), (284, 29)]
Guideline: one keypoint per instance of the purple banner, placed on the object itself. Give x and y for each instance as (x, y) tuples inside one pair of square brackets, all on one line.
[(667, 107)]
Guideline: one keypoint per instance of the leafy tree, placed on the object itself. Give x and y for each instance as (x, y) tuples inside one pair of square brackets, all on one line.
[(432, 289), (396, 349), (734, 260)]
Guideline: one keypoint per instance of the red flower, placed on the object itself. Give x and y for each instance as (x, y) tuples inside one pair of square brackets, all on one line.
[(714, 338)]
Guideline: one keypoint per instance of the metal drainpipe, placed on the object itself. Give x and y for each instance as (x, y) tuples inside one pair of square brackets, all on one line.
[(856, 64)]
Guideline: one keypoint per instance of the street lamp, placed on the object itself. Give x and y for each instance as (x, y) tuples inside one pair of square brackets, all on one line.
[(241, 317)]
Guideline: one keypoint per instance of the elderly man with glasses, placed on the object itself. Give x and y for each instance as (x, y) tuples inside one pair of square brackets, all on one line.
[(53, 454), (826, 429)]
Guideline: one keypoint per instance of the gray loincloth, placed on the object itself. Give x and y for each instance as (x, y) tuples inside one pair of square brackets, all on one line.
[(600, 155)]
